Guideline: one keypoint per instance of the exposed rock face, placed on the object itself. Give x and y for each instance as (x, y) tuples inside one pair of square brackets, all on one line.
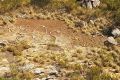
[(90, 3)]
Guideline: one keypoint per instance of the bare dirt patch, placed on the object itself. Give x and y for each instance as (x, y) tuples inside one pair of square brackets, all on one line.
[(59, 30)]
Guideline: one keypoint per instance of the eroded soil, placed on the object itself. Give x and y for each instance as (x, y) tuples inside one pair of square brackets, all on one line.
[(60, 31)]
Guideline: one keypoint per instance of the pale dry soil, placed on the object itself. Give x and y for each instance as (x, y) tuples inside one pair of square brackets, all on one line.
[(61, 32), (46, 36)]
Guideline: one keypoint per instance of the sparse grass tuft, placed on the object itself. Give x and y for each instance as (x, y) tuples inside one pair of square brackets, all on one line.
[(74, 76), (94, 73), (16, 48)]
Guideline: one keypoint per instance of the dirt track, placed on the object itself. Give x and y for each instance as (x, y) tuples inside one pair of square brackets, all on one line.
[(57, 28)]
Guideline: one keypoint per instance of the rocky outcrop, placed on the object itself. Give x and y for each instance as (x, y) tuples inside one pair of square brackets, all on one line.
[(116, 32), (90, 3)]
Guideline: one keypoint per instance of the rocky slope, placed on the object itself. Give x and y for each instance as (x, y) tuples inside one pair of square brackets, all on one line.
[(46, 45)]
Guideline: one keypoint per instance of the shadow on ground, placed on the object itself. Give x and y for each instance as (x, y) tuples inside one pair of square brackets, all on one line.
[(40, 3)]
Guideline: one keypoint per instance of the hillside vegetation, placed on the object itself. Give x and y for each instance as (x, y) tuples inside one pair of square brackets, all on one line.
[(109, 8), (59, 40)]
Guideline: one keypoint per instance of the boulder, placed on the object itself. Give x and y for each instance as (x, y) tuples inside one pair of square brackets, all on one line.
[(89, 4), (4, 70), (116, 32), (111, 40), (96, 3)]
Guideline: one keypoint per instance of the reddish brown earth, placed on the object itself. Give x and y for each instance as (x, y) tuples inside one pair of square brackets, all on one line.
[(57, 28)]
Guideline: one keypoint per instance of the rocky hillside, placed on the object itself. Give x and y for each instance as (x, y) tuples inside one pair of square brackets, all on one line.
[(66, 42)]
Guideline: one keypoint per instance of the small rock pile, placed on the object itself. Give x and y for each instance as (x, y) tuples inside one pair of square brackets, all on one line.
[(90, 3), (115, 34)]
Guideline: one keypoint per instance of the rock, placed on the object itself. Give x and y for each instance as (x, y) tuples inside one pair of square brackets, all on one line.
[(24, 16), (43, 79), (92, 22), (49, 78), (3, 43), (51, 70), (4, 70), (112, 40), (89, 4), (38, 70), (81, 24), (96, 3), (116, 32), (27, 66), (36, 79)]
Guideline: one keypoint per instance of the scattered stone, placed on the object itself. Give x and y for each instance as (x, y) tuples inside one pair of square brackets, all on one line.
[(27, 66), (36, 79), (90, 3), (112, 40), (3, 43), (51, 70), (38, 70), (51, 78), (116, 32), (92, 22), (81, 24), (96, 3), (4, 70), (24, 16)]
